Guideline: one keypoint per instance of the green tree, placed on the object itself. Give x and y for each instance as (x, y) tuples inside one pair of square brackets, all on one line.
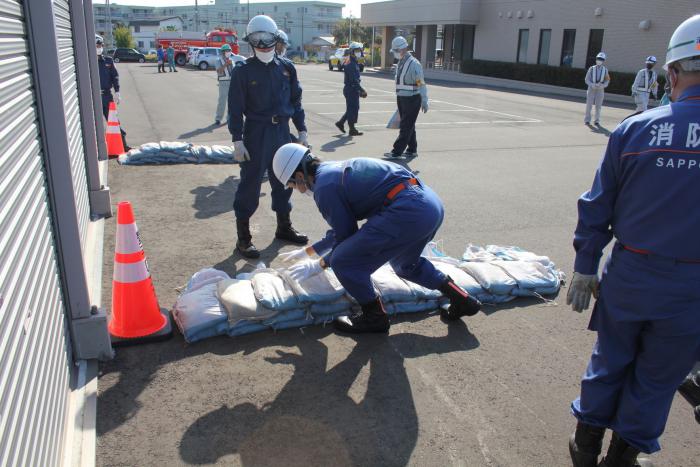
[(169, 28), (122, 37), (341, 31)]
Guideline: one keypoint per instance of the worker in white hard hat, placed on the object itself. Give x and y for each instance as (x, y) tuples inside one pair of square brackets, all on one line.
[(645, 195), (352, 90), (403, 215), (645, 84), (411, 97), (597, 79), (225, 64), (265, 90)]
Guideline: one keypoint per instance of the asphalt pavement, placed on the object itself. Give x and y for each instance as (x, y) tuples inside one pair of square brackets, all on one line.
[(491, 390)]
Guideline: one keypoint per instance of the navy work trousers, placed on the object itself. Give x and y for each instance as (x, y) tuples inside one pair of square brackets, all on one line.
[(647, 320), (352, 105), (262, 140), (409, 106)]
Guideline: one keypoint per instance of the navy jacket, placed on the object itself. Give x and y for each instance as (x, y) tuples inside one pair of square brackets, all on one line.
[(109, 78), (262, 91), (352, 74), (646, 189)]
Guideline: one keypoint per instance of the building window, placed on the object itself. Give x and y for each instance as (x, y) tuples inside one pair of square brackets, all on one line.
[(140, 44), (523, 38), (567, 48), (137, 28), (543, 51), (275, 8), (595, 45)]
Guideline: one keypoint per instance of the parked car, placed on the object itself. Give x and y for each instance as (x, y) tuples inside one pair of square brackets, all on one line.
[(338, 59), (122, 54), (192, 54), (206, 58)]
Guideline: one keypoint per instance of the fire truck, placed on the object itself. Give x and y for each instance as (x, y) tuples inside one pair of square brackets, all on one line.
[(181, 40)]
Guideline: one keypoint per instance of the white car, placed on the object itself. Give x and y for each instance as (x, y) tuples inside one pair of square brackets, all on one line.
[(206, 58), (191, 54)]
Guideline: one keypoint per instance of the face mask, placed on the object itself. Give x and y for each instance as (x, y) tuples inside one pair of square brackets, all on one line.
[(599, 62), (265, 57), (99, 50), (358, 54), (397, 55)]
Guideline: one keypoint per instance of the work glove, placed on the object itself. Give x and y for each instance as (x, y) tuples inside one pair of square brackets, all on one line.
[(305, 269), (424, 106), (304, 139), (295, 255), (240, 153), (363, 93), (117, 98), (580, 290)]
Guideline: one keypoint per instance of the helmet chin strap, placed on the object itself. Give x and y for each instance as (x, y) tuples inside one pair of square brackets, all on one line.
[(307, 179)]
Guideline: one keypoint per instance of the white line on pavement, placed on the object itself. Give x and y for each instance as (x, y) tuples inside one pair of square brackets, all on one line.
[(342, 102), (458, 123), (392, 111)]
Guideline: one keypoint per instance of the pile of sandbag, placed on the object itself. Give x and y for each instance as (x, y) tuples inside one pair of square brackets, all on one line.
[(166, 152), (212, 303)]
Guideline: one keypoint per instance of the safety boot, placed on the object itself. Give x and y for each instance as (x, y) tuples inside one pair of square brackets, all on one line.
[(341, 125), (690, 389), (621, 454), (371, 318), (244, 245), (585, 445), (285, 231), (461, 303), (354, 131)]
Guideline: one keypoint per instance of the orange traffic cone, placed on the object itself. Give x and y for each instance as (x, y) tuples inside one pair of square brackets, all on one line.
[(115, 146), (136, 316)]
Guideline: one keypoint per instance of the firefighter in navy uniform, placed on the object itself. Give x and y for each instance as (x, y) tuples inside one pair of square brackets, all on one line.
[(265, 90), (352, 90), (109, 78), (644, 194)]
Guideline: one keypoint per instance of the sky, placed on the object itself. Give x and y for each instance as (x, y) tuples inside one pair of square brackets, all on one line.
[(351, 6)]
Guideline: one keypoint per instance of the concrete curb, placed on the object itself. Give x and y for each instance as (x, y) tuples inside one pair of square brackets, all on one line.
[(456, 77)]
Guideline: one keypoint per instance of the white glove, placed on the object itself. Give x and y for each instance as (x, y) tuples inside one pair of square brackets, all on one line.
[(580, 290), (240, 153), (304, 139), (305, 269), (117, 98), (294, 255), (424, 106)]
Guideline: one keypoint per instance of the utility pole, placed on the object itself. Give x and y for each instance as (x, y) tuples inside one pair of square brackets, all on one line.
[(350, 33), (110, 39), (303, 49), (196, 16), (249, 11)]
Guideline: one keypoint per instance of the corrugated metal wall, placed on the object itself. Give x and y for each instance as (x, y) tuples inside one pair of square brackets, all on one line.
[(34, 344), (66, 56)]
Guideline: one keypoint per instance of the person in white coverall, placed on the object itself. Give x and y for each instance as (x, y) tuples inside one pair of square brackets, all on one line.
[(597, 79), (645, 84)]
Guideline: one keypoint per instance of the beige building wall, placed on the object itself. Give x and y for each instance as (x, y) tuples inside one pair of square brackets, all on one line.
[(625, 43)]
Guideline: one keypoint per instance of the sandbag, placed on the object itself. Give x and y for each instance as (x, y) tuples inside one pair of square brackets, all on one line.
[(199, 314), (238, 299), (390, 287), (491, 277), (532, 277), (272, 290)]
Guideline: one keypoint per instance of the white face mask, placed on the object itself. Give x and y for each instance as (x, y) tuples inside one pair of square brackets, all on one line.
[(227, 54), (599, 62), (99, 50), (265, 57), (358, 54), (397, 55)]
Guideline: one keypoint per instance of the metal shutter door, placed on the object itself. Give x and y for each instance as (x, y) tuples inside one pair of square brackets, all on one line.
[(69, 83), (34, 350)]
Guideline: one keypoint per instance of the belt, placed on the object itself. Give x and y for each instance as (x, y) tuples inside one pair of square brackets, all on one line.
[(398, 189), (648, 253), (274, 119)]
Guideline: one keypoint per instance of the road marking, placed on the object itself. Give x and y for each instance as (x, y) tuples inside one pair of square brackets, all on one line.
[(458, 123), (492, 111), (392, 111), (341, 102)]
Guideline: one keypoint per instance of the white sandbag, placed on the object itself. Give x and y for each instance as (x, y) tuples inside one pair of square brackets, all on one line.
[(203, 277), (532, 277), (199, 314), (491, 277), (460, 276), (238, 299), (514, 253), (321, 288), (477, 253), (273, 291), (391, 287)]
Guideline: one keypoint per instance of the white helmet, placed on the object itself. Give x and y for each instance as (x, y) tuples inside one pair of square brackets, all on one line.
[(651, 59), (399, 43), (355, 45), (261, 32), (287, 159), (601, 56), (685, 41), (283, 37)]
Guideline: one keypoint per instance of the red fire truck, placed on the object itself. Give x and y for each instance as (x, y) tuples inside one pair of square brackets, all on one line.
[(181, 40)]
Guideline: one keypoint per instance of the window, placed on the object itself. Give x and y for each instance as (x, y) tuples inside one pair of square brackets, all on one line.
[(275, 8), (567, 48), (595, 45), (137, 28), (543, 51), (523, 38), (140, 45)]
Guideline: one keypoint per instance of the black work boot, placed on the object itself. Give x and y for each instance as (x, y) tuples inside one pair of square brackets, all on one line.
[(285, 231), (372, 318), (354, 131), (244, 245), (585, 445), (341, 125), (621, 454), (690, 388), (461, 303)]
